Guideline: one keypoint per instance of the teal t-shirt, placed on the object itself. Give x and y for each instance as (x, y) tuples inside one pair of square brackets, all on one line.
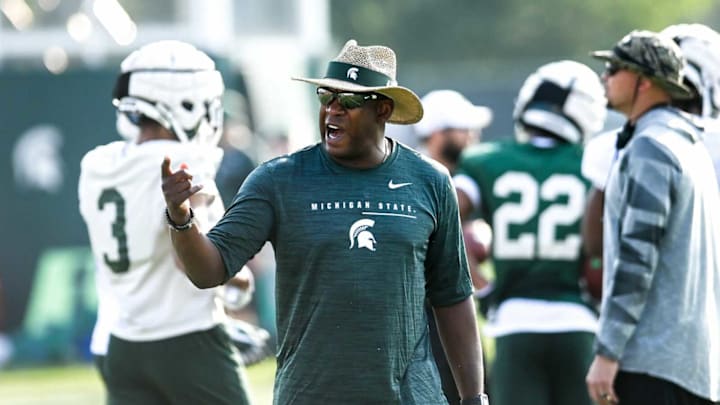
[(534, 199), (357, 253)]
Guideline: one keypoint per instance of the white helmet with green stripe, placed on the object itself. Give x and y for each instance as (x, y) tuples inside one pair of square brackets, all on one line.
[(564, 98), (176, 85)]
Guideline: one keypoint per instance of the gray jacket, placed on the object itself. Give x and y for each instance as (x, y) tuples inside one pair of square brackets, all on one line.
[(660, 311)]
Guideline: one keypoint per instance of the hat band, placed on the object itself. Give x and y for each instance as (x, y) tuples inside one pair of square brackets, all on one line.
[(357, 74)]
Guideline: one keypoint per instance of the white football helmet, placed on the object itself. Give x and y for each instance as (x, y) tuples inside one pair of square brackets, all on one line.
[(565, 98), (701, 47), (175, 84)]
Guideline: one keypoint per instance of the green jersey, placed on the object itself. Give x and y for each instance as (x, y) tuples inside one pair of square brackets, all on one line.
[(534, 199), (357, 252)]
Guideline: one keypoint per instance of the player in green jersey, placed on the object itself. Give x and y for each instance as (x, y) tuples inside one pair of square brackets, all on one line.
[(364, 229), (532, 194)]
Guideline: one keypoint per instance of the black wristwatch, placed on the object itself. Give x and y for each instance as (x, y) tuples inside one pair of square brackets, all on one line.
[(479, 399), (179, 227)]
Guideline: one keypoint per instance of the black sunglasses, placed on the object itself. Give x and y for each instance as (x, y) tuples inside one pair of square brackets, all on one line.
[(612, 68), (347, 100)]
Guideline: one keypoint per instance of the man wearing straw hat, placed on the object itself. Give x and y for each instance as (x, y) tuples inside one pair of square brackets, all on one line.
[(364, 229), (659, 335)]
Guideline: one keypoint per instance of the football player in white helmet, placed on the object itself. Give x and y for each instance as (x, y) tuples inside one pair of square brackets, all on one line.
[(182, 94), (563, 98), (531, 192), (167, 342), (701, 47)]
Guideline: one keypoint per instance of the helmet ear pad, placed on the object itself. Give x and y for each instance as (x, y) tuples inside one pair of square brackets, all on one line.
[(176, 85), (564, 98), (126, 128)]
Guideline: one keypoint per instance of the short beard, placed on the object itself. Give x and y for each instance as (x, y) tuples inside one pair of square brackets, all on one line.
[(451, 152)]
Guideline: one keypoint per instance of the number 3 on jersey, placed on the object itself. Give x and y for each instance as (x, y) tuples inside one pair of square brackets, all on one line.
[(122, 263), (543, 242)]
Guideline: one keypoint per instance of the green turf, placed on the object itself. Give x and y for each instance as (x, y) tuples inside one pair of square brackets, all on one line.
[(80, 385)]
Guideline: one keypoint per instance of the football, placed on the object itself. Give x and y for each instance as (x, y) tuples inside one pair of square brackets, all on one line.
[(478, 236), (592, 274)]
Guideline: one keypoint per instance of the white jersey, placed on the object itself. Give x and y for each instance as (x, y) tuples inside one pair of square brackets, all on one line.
[(598, 155), (712, 141), (106, 314), (143, 293)]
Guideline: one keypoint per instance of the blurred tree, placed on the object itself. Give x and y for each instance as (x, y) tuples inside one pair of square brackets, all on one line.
[(486, 48), (462, 30)]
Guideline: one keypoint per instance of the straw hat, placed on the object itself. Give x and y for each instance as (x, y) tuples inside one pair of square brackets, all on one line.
[(371, 69), (653, 55)]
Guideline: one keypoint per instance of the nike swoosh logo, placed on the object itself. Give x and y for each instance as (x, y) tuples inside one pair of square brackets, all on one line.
[(393, 186)]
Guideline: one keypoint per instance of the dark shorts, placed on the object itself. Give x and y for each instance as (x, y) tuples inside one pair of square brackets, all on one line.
[(100, 366), (541, 369), (643, 389), (196, 368)]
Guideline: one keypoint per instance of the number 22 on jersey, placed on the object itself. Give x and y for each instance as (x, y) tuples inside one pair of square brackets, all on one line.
[(565, 194)]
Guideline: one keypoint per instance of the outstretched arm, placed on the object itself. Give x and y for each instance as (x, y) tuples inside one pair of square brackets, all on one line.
[(458, 331), (199, 256)]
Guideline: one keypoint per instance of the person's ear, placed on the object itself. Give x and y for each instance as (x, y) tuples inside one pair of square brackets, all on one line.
[(645, 84), (385, 109)]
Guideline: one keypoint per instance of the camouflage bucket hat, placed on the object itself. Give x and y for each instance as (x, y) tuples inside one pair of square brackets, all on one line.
[(652, 55)]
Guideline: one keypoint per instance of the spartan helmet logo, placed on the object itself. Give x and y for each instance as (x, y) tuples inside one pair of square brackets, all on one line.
[(352, 73), (365, 238)]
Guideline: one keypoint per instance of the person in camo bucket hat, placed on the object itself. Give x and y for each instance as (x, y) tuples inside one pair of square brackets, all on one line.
[(653, 55), (661, 239)]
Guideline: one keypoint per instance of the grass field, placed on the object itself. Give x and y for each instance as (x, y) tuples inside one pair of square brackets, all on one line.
[(80, 385)]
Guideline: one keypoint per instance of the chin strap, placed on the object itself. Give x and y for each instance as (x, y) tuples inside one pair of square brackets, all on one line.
[(623, 137)]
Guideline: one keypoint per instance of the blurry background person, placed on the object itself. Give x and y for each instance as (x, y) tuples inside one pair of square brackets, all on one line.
[(241, 146), (532, 194), (235, 142), (700, 46), (167, 343), (450, 123)]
